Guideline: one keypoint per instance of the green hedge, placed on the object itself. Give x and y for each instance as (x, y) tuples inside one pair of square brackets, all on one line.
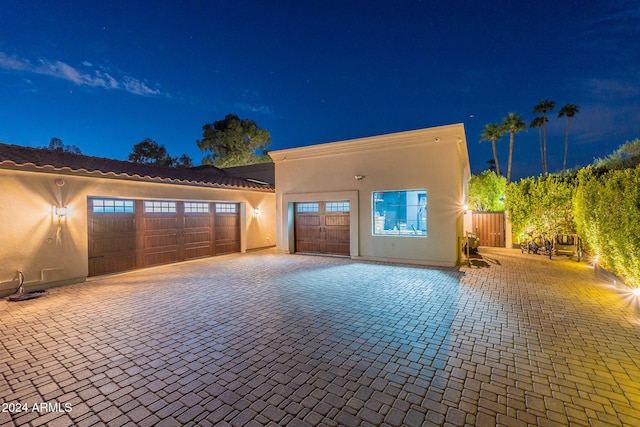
[(541, 205), (606, 208), (601, 205)]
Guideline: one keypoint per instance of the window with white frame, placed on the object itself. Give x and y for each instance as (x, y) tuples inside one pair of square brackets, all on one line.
[(112, 206), (226, 208), (159, 207), (196, 207), (400, 213), (337, 206), (307, 207)]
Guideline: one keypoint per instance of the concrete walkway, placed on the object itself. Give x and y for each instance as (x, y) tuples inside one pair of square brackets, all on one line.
[(266, 339)]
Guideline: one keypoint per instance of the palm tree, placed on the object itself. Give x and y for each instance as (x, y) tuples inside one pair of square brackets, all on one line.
[(493, 132), (567, 111), (537, 123), (542, 108), (513, 123)]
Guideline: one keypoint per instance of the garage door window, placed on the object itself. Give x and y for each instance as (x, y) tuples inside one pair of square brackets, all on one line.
[(196, 207), (400, 213), (112, 206), (159, 207), (337, 206), (308, 207), (226, 208)]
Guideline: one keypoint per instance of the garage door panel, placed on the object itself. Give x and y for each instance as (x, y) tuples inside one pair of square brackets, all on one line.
[(107, 227), (336, 220), (101, 247), (160, 240), (161, 257), (337, 236), (227, 228), (203, 236), (308, 233), (112, 264), (308, 246), (337, 248), (197, 252), (322, 227), (111, 241), (152, 224), (227, 247), (197, 222), (308, 220), (132, 234)]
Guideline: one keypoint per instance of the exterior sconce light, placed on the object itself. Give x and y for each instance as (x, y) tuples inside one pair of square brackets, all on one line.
[(256, 212), (359, 177), (465, 208), (60, 213)]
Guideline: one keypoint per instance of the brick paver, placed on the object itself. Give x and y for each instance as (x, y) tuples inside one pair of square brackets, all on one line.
[(266, 339)]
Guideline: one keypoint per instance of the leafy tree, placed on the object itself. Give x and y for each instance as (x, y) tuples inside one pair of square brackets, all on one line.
[(150, 152), (567, 111), (56, 144), (513, 123), (486, 192), (626, 156), (234, 142), (183, 161), (537, 123), (493, 132), (542, 108)]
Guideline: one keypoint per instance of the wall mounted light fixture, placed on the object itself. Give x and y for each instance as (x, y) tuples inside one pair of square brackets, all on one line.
[(359, 177), (60, 213), (256, 212)]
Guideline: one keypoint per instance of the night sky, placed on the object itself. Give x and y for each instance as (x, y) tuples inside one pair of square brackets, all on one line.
[(103, 76)]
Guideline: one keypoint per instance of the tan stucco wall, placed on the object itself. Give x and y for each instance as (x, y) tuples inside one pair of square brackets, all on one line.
[(435, 159), (52, 253)]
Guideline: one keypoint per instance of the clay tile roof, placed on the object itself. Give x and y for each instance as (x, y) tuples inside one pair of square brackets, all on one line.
[(28, 158)]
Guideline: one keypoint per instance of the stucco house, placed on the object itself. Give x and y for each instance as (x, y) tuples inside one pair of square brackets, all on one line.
[(398, 197), (66, 216)]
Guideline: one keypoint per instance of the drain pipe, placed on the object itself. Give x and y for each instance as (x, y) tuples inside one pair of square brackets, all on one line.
[(20, 276), (21, 295)]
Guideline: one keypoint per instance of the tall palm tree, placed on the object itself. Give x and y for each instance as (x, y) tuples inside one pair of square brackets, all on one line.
[(493, 132), (542, 108), (513, 123), (537, 123), (567, 111)]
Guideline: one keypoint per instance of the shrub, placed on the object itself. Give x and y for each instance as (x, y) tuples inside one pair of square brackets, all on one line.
[(607, 213), (541, 205), (486, 192)]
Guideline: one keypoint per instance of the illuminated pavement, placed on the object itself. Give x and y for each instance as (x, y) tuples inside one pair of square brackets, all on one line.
[(265, 339)]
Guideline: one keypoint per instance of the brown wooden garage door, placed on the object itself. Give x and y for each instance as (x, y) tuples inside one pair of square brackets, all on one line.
[(128, 234), (322, 227), (112, 236)]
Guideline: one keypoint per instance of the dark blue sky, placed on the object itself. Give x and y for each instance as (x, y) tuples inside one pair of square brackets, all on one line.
[(105, 75)]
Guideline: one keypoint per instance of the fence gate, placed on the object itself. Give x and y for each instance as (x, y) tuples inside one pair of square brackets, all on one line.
[(489, 228)]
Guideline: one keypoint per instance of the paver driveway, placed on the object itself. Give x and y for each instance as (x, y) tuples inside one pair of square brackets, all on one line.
[(266, 339)]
